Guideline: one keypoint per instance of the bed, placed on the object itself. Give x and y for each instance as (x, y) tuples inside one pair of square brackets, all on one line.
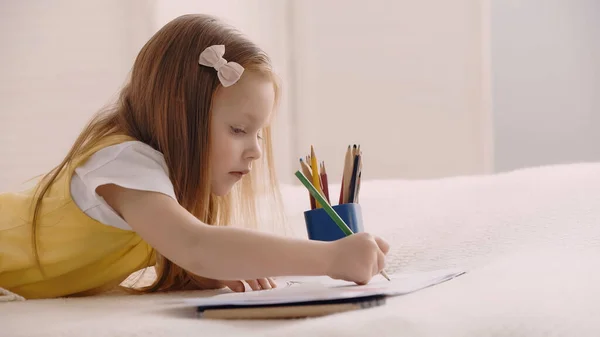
[(529, 239)]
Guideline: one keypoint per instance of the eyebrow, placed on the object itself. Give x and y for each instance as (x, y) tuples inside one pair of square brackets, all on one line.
[(249, 116)]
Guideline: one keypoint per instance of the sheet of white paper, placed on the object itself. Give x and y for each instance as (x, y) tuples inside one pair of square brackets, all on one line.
[(305, 289)]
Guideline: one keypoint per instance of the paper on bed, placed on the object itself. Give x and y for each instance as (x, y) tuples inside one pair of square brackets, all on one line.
[(309, 289)]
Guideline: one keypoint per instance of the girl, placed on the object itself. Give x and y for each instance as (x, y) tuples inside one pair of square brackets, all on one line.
[(159, 179)]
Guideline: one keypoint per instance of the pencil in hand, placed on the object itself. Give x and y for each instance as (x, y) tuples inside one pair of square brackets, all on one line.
[(329, 210)]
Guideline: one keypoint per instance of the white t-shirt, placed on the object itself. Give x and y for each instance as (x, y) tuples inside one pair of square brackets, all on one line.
[(131, 164)]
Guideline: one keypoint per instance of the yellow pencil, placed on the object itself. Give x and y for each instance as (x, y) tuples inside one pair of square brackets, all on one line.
[(315, 172)]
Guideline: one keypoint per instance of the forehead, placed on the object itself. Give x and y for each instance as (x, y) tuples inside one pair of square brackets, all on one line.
[(252, 98)]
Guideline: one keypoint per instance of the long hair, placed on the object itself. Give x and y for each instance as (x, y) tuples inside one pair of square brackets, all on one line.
[(167, 105)]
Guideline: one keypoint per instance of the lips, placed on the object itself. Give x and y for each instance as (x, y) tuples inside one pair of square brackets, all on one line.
[(240, 173)]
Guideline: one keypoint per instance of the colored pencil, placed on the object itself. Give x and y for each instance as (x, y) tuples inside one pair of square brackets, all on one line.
[(347, 174), (324, 182), (353, 178), (358, 186), (358, 173), (315, 172), (341, 201), (307, 172)]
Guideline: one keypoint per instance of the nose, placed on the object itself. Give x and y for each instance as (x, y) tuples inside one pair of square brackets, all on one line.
[(253, 150)]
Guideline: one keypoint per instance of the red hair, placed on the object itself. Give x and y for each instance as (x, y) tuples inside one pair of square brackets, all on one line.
[(167, 105)]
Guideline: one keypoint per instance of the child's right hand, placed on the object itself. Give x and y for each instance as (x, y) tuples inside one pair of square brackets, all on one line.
[(357, 258)]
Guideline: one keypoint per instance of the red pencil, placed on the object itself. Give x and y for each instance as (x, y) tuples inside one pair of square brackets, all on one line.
[(324, 183)]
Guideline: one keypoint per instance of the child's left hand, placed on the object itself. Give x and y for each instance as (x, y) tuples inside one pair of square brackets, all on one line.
[(260, 284), (236, 286)]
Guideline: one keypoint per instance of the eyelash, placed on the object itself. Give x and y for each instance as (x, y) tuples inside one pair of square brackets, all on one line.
[(237, 131)]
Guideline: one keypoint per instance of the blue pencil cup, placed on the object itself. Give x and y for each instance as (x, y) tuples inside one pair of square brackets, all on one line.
[(320, 226)]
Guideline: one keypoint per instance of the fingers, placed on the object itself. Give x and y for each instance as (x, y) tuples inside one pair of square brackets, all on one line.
[(383, 246), (260, 284), (272, 283), (254, 285), (361, 283), (264, 283), (237, 286)]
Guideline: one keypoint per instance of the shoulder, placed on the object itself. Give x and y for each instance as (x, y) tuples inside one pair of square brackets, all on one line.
[(131, 165), (131, 153)]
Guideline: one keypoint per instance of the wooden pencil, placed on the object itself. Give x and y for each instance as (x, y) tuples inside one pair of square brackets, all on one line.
[(324, 182), (353, 180), (358, 174), (307, 172), (315, 173), (321, 179), (358, 187), (347, 174), (343, 181), (341, 200)]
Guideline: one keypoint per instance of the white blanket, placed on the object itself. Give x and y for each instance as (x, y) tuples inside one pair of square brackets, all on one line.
[(530, 240)]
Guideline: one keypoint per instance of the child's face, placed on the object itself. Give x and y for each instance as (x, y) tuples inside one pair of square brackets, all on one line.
[(240, 112)]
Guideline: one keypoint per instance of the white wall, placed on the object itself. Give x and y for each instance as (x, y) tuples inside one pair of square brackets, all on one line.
[(546, 81), (402, 78), (60, 62), (409, 81)]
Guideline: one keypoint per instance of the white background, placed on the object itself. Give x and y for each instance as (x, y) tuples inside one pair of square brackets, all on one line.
[(432, 88)]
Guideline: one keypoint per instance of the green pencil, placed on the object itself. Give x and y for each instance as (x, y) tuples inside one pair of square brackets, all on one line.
[(334, 216)]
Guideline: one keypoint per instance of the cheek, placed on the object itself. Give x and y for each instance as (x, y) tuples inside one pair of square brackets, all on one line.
[(217, 144), (222, 146)]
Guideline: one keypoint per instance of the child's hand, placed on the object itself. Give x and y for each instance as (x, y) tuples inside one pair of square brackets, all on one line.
[(260, 284), (237, 286), (358, 257)]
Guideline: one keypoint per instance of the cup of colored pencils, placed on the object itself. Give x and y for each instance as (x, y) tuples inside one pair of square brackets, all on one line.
[(323, 221), (319, 224), (316, 172)]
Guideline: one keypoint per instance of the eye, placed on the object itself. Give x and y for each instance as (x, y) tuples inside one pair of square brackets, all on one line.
[(237, 131), (259, 135)]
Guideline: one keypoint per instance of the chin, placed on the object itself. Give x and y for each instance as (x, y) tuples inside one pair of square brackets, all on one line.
[(221, 190)]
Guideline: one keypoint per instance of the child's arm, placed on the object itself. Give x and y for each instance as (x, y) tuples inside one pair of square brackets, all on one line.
[(227, 253)]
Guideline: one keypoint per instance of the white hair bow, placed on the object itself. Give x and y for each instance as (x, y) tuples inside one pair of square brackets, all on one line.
[(228, 72)]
